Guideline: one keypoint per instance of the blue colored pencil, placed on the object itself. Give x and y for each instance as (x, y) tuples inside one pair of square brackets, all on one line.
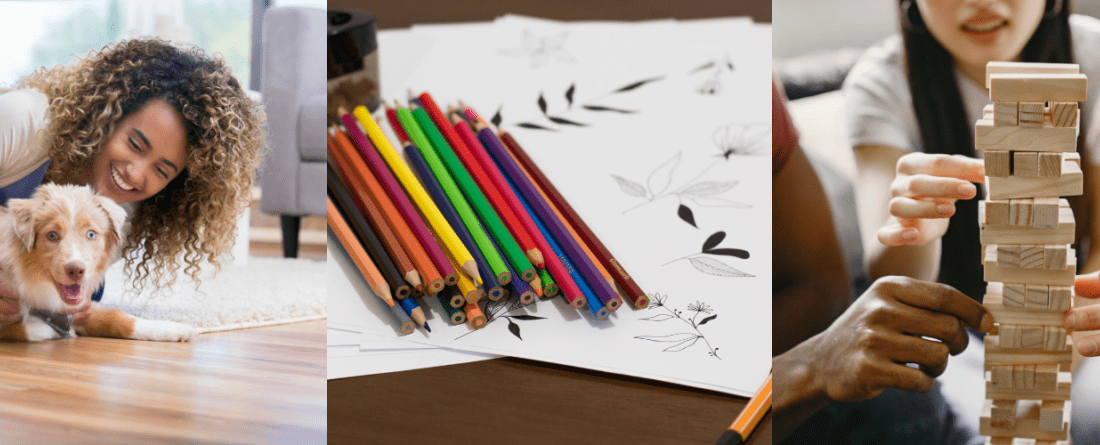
[(412, 308)]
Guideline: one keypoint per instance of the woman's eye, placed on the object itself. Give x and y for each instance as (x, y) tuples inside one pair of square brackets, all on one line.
[(91, 234), (134, 144)]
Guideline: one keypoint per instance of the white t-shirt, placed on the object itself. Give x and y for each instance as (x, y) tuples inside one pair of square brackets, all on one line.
[(879, 108), (22, 115)]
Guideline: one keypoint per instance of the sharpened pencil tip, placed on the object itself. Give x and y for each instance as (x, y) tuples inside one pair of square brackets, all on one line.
[(341, 110), (426, 327)]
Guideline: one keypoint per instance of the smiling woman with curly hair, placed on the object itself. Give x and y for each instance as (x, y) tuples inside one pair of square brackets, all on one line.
[(164, 130)]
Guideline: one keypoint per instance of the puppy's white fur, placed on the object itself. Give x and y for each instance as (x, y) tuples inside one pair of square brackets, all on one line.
[(54, 251)]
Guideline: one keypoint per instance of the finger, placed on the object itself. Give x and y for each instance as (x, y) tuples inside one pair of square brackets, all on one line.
[(905, 207), (896, 235), (893, 375), (955, 166), (1087, 285), (930, 355), (1088, 346), (1082, 319), (933, 186), (945, 328), (939, 298)]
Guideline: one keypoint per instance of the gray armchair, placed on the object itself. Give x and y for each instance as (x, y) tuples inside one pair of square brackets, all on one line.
[(293, 86)]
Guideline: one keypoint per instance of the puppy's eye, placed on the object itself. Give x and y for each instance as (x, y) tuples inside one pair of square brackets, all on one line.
[(53, 236), (91, 234)]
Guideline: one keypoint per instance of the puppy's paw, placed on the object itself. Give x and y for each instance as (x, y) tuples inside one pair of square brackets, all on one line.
[(38, 330), (159, 330)]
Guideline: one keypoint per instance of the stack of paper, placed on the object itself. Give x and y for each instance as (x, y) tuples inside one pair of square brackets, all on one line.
[(658, 134)]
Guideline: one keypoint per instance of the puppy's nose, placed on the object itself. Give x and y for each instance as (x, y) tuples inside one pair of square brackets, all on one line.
[(75, 270)]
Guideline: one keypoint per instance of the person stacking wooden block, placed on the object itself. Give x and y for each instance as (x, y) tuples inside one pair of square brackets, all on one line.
[(1029, 136)]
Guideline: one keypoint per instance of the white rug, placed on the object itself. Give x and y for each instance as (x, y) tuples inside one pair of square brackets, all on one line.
[(266, 291)]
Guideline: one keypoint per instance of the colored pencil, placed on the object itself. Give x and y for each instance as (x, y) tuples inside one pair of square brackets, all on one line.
[(554, 226), (469, 291), (358, 256), (475, 198), (622, 278), (446, 298), (523, 290), (549, 285), (415, 312), (461, 147), (750, 416), (368, 193), (428, 208), (474, 316), (436, 192), (401, 202), (404, 324), (367, 236)]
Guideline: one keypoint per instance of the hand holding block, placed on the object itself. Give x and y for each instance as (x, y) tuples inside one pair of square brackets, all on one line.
[(1038, 87), (1063, 114), (992, 68)]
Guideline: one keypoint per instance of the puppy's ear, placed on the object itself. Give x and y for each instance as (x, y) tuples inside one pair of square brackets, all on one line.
[(116, 217), (22, 217)]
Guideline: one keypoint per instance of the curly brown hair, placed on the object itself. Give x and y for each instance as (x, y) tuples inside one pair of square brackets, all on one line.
[(194, 218)]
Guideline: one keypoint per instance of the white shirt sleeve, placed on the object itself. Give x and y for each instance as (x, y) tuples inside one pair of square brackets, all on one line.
[(22, 115), (878, 106)]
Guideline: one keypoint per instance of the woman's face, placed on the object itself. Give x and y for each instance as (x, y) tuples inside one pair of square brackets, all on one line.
[(146, 151), (979, 31)]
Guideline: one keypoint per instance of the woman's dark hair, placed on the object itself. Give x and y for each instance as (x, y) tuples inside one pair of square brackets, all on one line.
[(944, 126)]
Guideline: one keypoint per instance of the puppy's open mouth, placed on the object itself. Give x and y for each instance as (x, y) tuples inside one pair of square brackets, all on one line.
[(72, 294)]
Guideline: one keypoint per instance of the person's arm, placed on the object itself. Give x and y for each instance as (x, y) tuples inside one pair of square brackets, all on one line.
[(1092, 195)]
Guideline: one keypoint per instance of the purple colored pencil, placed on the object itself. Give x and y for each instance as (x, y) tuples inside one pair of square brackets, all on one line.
[(554, 225), (397, 195)]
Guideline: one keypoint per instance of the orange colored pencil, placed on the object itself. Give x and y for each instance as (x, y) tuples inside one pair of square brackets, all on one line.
[(750, 416), (358, 255), (474, 316), (355, 174)]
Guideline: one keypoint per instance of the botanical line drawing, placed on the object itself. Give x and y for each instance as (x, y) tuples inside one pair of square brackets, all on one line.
[(555, 119), (712, 266), (741, 139), (658, 185), (541, 49), (499, 309), (682, 340), (713, 84)]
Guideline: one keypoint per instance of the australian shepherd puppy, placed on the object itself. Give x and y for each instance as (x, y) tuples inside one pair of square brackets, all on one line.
[(54, 250)]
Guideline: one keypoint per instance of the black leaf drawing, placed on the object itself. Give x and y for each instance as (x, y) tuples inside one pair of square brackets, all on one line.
[(705, 66), (708, 188), (714, 240), (534, 126), (670, 338), (682, 340), (496, 117), (729, 64), (603, 108), (514, 328), (630, 187), (564, 121), (638, 84), (714, 267), (660, 317), (705, 320), (542, 103), (683, 345), (685, 214), (661, 178), (743, 254), (569, 94), (526, 317)]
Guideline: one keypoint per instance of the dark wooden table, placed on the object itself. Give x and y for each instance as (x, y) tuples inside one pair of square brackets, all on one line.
[(515, 401)]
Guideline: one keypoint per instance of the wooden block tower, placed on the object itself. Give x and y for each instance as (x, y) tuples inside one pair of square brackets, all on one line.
[(1029, 139)]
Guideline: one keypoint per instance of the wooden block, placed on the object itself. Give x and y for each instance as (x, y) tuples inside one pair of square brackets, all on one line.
[(1063, 114), (1031, 256), (1052, 414), (1054, 338), (1025, 164), (1002, 413), (1001, 376), (1046, 139), (1005, 113), (1037, 296), (1046, 378), (1060, 391), (1008, 255), (1030, 114), (1060, 298), (1054, 256), (1014, 294), (1016, 315), (1050, 165), (996, 213), (1072, 157), (1020, 211), (1006, 234), (999, 163), (1010, 336), (1038, 87), (1044, 212), (997, 355), (994, 272), (1069, 184), (1027, 423), (1029, 68), (1031, 337)]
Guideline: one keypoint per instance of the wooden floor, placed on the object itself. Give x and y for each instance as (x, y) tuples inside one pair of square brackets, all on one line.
[(262, 385)]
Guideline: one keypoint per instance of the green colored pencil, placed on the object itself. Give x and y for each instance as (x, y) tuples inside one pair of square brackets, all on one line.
[(416, 135), (549, 286)]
